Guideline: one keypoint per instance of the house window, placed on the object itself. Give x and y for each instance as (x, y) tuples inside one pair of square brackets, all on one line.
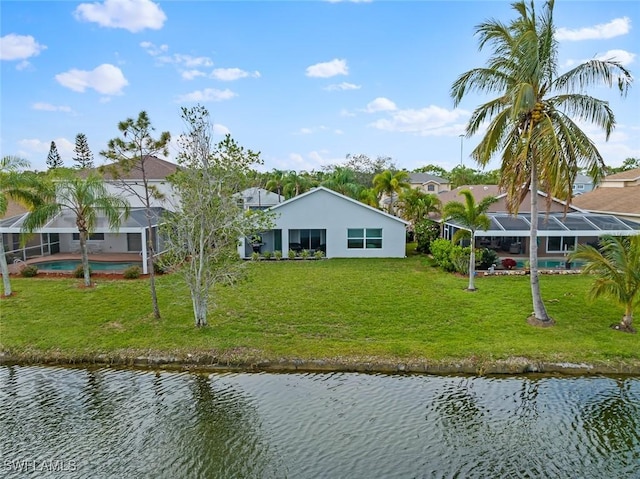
[(578, 186), (560, 244), (359, 238), (431, 187), (92, 237)]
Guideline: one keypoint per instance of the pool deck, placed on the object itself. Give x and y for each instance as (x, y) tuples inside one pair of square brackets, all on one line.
[(107, 257)]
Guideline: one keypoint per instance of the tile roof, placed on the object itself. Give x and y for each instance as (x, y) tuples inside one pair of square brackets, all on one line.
[(479, 193), (612, 200), (155, 169), (426, 178), (625, 175)]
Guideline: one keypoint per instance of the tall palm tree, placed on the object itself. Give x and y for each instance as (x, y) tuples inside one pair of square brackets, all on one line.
[(416, 205), (472, 216), (370, 197), (390, 183), (86, 198), (617, 268), (22, 187), (532, 123), (276, 180)]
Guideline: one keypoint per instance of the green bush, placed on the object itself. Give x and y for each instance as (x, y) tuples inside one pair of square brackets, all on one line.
[(277, 254), (291, 254), (132, 272), (29, 271), (441, 252), (255, 256), (485, 257), (460, 257), (304, 253), (79, 272), (318, 254), (267, 254), (426, 232)]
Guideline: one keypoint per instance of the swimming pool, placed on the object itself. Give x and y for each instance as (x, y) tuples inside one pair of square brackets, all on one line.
[(551, 264), (70, 265)]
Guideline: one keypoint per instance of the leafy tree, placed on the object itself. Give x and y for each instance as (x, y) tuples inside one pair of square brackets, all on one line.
[(295, 184), (86, 198), (627, 164), (426, 232), (364, 168), (532, 121), (416, 205), (344, 181), (276, 181), (17, 185), (390, 184), (134, 152), (53, 158), (202, 234), (370, 197), (84, 156), (472, 216), (617, 266)]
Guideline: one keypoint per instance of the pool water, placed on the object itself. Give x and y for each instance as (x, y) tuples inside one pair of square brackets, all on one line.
[(70, 265), (551, 264)]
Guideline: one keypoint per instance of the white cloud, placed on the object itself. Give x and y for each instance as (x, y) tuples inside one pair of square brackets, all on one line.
[(38, 148), (346, 113), (154, 50), (49, 107), (231, 74), (305, 131), (338, 132), (219, 129), (342, 86), (132, 15), (191, 74), (106, 79), (380, 104), (616, 27), (208, 94), (190, 61), (622, 56), (19, 47), (429, 121), (328, 69)]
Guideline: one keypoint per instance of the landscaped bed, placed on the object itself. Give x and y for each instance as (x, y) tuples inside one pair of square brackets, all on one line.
[(357, 314)]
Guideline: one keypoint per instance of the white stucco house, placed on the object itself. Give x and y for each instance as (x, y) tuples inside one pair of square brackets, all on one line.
[(341, 227)]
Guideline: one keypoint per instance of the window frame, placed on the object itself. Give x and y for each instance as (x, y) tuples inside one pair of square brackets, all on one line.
[(364, 238)]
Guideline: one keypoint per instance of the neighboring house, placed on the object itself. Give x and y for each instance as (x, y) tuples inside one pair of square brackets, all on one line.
[(557, 232), (341, 227), (617, 195), (60, 235), (259, 199), (429, 183), (582, 184)]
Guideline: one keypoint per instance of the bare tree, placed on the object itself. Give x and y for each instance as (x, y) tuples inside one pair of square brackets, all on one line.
[(202, 234)]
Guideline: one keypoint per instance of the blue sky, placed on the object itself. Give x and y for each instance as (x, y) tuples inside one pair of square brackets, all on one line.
[(304, 82)]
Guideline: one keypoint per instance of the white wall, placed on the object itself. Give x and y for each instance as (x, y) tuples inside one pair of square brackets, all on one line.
[(321, 209)]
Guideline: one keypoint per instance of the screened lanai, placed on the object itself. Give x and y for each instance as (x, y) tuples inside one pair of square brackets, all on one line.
[(557, 233), (60, 235)]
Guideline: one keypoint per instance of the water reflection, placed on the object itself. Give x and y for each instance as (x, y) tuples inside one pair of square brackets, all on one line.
[(120, 423)]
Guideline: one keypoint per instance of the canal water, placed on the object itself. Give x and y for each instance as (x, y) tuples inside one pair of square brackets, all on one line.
[(110, 423)]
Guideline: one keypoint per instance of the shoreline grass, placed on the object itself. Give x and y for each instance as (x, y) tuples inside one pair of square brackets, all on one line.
[(351, 311)]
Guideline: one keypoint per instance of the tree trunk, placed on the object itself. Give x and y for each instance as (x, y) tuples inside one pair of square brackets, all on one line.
[(472, 266), (150, 267), (627, 323), (540, 316), (5, 269), (85, 258), (199, 300)]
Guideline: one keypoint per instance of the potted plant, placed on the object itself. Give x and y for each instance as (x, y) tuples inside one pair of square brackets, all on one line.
[(508, 263)]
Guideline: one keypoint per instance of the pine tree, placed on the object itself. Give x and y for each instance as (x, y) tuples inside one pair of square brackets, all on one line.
[(84, 157), (54, 160)]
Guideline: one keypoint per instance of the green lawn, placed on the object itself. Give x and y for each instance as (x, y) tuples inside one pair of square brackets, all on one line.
[(339, 309)]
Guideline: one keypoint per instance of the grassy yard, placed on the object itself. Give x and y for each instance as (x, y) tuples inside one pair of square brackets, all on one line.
[(350, 309)]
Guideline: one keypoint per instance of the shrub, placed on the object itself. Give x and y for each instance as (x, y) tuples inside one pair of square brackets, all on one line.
[(29, 271), (255, 256), (291, 254), (441, 252), (277, 255), (426, 232), (79, 272), (485, 257), (132, 272), (318, 254), (267, 254), (304, 254), (158, 267), (460, 257), (509, 263)]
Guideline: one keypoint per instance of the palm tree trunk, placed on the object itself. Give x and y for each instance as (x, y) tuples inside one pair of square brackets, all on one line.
[(472, 266), (540, 316), (5, 269), (85, 258)]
